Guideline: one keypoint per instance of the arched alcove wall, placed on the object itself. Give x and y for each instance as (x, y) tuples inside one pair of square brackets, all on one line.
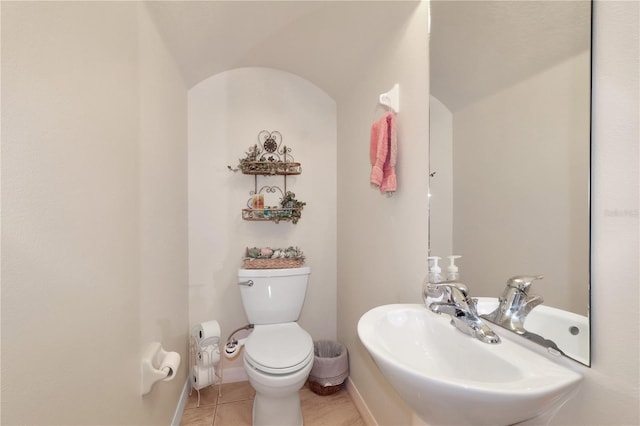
[(226, 113)]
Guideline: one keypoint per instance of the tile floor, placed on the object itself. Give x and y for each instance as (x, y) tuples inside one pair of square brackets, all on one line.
[(234, 407)]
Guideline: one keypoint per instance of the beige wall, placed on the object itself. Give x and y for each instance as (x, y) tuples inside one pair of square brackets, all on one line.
[(226, 113), (521, 186), (382, 242), (94, 213), (162, 200), (610, 392), (74, 242), (441, 183)]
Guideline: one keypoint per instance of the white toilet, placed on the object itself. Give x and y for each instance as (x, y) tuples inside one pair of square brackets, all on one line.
[(278, 354)]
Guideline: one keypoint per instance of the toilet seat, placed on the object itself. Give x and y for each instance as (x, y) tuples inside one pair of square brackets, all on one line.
[(278, 348)]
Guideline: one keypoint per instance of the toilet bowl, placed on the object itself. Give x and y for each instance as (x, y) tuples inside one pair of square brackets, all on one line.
[(278, 359), (278, 354)]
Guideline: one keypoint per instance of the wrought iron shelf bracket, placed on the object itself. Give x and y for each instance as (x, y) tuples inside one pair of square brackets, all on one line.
[(270, 158)]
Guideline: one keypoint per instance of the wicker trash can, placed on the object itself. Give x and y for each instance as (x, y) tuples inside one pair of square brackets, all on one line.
[(330, 367)]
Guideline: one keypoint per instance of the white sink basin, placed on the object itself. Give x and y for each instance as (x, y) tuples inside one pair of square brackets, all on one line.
[(568, 330), (450, 378)]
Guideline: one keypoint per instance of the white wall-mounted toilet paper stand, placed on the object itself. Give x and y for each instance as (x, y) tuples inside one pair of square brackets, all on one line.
[(157, 365)]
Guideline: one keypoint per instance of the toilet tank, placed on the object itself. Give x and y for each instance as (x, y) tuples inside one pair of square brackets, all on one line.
[(276, 296)]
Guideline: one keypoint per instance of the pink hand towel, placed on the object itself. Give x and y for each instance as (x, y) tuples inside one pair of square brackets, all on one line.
[(383, 152)]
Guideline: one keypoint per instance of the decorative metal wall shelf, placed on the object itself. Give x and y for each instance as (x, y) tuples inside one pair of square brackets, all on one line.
[(269, 168), (274, 215), (270, 158)]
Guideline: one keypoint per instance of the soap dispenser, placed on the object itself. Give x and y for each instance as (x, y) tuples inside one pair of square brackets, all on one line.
[(434, 275), (452, 269)]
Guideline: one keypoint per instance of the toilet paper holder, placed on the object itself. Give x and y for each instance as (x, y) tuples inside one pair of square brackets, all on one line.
[(158, 365)]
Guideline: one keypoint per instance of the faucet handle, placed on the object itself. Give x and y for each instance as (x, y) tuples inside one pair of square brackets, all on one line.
[(451, 285), (455, 293), (523, 282)]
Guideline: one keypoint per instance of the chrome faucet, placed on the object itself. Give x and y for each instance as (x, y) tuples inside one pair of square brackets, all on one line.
[(515, 303), (452, 298)]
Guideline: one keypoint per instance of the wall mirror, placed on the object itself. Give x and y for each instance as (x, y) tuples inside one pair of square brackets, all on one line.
[(510, 149)]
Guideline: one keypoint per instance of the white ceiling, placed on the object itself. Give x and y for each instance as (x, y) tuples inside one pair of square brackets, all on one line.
[(325, 42), (476, 47)]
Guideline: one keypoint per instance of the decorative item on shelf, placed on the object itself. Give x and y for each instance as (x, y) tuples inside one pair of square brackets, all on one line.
[(268, 158), (269, 258), (290, 210), (292, 207)]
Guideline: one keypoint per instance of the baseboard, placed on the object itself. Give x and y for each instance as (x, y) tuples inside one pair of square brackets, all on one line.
[(364, 411), (417, 421), (182, 402), (234, 374)]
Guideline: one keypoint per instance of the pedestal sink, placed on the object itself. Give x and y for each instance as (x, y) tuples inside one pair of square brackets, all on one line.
[(568, 330), (449, 378)]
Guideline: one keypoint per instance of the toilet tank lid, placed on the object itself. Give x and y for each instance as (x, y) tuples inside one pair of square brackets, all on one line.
[(303, 270)]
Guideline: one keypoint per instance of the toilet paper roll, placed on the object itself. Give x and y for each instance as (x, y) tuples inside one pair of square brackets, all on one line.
[(201, 377), (169, 365), (208, 356), (207, 330)]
